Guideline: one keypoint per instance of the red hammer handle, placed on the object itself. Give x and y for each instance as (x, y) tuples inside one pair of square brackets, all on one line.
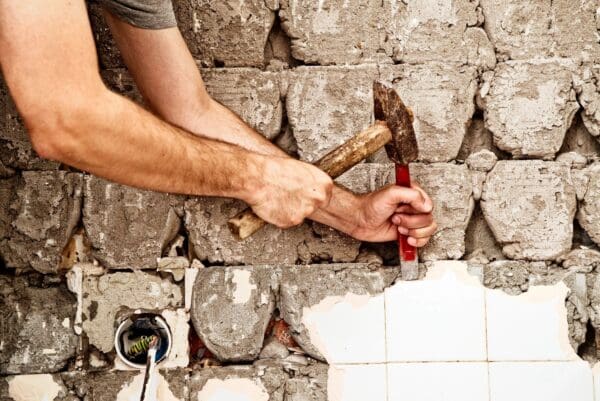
[(408, 252)]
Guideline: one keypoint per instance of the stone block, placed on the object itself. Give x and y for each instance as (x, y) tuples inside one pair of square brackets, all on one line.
[(559, 28), (107, 295), (254, 95), (206, 223), (126, 385), (529, 106), (38, 212), (588, 214), (15, 147), (529, 206), (232, 325), (36, 329), (265, 383), (335, 32), (226, 33), (441, 98), (128, 227), (451, 190), (33, 387), (328, 105), (305, 286), (441, 31)]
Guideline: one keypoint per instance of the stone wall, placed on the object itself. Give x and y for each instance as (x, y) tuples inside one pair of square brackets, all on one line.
[(506, 97)]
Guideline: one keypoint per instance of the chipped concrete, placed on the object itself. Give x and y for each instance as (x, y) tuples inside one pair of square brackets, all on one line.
[(253, 95), (529, 106), (128, 227), (227, 33), (529, 206), (231, 308), (36, 336), (106, 295), (38, 213), (348, 94)]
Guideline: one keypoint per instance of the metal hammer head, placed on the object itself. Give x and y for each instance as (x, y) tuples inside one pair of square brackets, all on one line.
[(390, 109)]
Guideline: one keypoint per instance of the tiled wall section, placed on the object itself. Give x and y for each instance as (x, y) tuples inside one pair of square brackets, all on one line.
[(506, 98)]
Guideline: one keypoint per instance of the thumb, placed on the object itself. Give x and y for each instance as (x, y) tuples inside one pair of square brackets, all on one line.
[(395, 195)]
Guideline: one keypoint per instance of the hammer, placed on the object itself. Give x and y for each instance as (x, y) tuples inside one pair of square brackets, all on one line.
[(402, 150), (393, 128)]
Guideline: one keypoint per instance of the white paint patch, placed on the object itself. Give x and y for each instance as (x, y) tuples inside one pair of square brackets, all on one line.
[(348, 329), (48, 351), (188, 283), (233, 390), (243, 286), (178, 323), (33, 388), (132, 391), (66, 323)]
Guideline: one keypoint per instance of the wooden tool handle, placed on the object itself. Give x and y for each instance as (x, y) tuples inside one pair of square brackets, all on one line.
[(334, 163), (408, 252)]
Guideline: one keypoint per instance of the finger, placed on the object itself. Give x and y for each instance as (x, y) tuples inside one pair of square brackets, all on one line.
[(407, 209), (418, 242), (428, 202), (413, 220), (421, 232), (395, 195)]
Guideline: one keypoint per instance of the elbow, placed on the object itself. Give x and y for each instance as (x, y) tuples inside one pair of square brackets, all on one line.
[(56, 129)]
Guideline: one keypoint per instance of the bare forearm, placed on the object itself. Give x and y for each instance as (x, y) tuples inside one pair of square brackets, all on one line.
[(122, 142), (219, 122)]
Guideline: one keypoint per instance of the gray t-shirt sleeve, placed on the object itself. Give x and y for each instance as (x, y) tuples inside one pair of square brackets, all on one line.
[(147, 14)]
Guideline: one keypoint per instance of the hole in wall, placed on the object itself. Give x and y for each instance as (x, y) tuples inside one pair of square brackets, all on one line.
[(588, 350), (279, 46)]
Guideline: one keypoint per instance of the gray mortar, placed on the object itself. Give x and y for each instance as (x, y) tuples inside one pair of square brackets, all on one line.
[(36, 329), (233, 329), (304, 286), (38, 212), (128, 227)]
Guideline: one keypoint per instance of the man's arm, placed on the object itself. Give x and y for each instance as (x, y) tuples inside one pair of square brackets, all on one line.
[(49, 63), (168, 78)]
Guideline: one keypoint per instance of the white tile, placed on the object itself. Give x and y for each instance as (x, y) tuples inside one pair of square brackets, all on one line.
[(541, 381), (529, 327), (357, 383), (596, 373), (438, 381), (349, 329), (441, 318)]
